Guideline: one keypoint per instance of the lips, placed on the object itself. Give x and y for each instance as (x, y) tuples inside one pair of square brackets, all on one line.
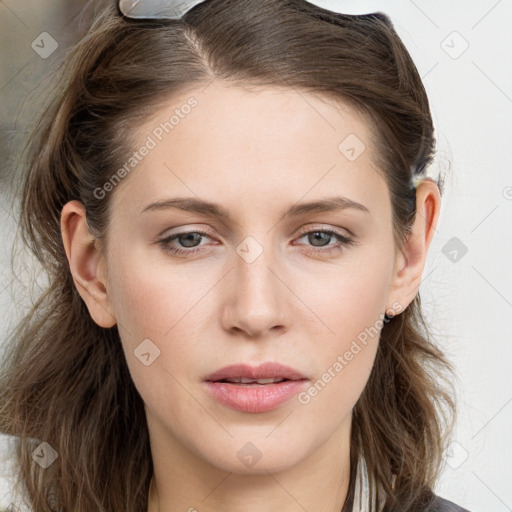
[(265, 373), (257, 389)]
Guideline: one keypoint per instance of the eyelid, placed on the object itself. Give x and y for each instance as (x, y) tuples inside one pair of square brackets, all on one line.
[(324, 227)]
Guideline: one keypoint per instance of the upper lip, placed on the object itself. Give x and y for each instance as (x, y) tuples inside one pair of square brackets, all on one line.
[(268, 370)]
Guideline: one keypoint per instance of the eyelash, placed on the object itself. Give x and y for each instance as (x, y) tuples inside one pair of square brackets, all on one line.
[(343, 241)]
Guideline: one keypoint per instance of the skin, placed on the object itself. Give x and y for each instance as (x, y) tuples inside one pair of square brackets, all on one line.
[(256, 153)]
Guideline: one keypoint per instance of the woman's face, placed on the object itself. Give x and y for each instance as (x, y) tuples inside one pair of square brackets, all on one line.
[(265, 283)]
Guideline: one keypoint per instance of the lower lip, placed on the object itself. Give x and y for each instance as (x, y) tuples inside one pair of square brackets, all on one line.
[(256, 397)]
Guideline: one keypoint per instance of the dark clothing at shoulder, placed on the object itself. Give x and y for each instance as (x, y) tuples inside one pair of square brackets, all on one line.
[(441, 505)]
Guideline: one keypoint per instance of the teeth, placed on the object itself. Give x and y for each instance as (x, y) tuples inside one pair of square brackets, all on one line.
[(245, 380), (268, 381)]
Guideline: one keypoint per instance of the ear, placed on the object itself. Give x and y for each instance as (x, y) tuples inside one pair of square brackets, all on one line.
[(86, 262), (410, 261)]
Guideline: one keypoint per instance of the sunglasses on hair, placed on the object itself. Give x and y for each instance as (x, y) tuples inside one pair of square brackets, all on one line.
[(175, 9)]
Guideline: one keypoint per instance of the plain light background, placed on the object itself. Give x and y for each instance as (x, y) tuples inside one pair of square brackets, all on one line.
[(463, 51)]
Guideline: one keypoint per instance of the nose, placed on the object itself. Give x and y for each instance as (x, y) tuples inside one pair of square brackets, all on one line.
[(256, 301)]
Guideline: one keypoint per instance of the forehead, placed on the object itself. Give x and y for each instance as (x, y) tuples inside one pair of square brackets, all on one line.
[(264, 143)]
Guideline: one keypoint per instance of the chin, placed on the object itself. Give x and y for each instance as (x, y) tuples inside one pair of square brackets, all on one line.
[(255, 458)]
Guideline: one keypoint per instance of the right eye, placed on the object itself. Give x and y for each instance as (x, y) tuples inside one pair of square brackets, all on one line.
[(185, 237)]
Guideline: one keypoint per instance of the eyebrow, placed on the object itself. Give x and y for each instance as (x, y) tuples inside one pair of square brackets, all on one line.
[(192, 204)]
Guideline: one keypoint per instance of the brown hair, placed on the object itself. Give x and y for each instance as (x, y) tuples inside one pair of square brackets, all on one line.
[(65, 380)]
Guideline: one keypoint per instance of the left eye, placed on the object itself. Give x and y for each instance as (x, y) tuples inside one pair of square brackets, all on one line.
[(314, 236), (318, 235)]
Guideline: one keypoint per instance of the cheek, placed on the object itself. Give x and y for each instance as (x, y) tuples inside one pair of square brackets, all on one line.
[(148, 307), (349, 311), (167, 305), (346, 299), (150, 299)]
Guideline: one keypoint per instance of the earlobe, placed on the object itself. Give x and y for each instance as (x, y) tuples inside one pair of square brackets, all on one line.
[(86, 262), (410, 261)]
